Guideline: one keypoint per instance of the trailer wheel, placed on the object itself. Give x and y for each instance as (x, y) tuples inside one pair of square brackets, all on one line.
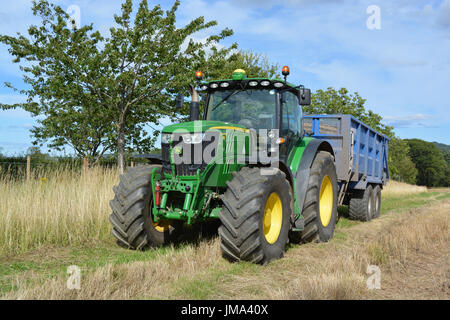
[(376, 202), (133, 224), (320, 208), (255, 216), (361, 204)]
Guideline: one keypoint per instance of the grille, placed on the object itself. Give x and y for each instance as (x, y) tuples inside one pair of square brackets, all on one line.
[(183, 169)]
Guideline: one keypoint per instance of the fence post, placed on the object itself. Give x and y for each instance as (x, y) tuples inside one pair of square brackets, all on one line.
[(85, 165), (28, 168), (132, 164)]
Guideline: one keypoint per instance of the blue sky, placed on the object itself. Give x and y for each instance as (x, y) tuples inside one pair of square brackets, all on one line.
[(402, 69)]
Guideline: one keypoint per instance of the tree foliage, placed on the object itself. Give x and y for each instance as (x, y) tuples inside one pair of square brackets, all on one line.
[(255, 65), (98, 93), (401, 167), (430, 162)]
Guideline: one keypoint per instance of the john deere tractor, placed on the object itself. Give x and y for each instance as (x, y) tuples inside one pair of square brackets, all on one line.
[(246, 164)]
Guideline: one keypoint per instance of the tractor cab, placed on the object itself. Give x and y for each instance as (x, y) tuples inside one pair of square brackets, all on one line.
[(254, 103)]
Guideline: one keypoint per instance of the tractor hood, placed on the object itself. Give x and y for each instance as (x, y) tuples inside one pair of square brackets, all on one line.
[(203, 126)]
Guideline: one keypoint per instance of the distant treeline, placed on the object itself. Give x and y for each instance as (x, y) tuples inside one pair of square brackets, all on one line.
[(420, 162), (15, 167)]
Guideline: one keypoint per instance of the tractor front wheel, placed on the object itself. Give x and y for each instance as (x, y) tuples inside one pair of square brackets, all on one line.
[(255, 216), (133, 223)]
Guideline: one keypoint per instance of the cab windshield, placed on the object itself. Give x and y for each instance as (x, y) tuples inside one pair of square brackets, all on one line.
[(251, 108)]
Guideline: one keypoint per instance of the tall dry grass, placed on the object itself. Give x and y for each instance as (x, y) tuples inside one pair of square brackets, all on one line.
[(395, 188), (62, 208)]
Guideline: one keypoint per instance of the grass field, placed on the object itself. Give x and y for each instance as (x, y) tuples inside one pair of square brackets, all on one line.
[(62, 220)]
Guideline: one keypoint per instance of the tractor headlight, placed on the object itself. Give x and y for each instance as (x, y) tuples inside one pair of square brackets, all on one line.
[(278, 84), (166, 137), (265, 83)]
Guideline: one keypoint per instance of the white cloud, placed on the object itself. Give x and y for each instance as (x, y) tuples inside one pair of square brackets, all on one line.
[(412, 121)]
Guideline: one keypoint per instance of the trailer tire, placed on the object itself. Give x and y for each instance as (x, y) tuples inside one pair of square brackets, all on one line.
[(376, 202), (255, 216), (361, 204), (321, 193), (131, 217)]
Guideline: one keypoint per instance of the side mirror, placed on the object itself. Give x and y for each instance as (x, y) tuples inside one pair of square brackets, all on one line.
[(179, 101), (304, 96)]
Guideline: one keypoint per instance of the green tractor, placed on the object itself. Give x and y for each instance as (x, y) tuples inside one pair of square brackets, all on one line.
[(245, 164)]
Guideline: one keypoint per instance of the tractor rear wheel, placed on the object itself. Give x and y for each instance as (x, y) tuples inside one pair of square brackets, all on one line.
[(255, 216), (320, 207), (361, 204), (131, 217)]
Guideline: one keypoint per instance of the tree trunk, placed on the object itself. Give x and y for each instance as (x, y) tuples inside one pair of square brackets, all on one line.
[(120, 151)]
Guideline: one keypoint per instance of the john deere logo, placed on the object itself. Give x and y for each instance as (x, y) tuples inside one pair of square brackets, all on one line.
[(177, 150)]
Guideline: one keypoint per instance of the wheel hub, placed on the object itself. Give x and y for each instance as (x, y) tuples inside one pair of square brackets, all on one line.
[(326, 201), (273, 218)]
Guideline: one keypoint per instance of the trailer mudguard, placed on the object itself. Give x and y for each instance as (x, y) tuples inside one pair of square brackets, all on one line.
[(303, 172)]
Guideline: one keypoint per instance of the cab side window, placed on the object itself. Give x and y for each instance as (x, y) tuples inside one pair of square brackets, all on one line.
[(292, 115)]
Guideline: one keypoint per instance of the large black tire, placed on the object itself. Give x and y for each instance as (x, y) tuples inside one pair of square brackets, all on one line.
[(243, 234), (131, 215), (322, 175), (361, 204), (376, 202)]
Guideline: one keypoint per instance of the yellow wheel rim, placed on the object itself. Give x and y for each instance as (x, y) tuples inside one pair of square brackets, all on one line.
[(326, 201), (273, 218), (161, 226)]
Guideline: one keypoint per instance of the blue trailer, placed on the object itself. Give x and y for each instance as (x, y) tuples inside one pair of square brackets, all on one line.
[(361, 159)]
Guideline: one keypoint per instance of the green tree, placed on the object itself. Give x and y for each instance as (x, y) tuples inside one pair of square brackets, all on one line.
[(255, 65), (98, 93), (401, 166), (430, 163), (332, 101)]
